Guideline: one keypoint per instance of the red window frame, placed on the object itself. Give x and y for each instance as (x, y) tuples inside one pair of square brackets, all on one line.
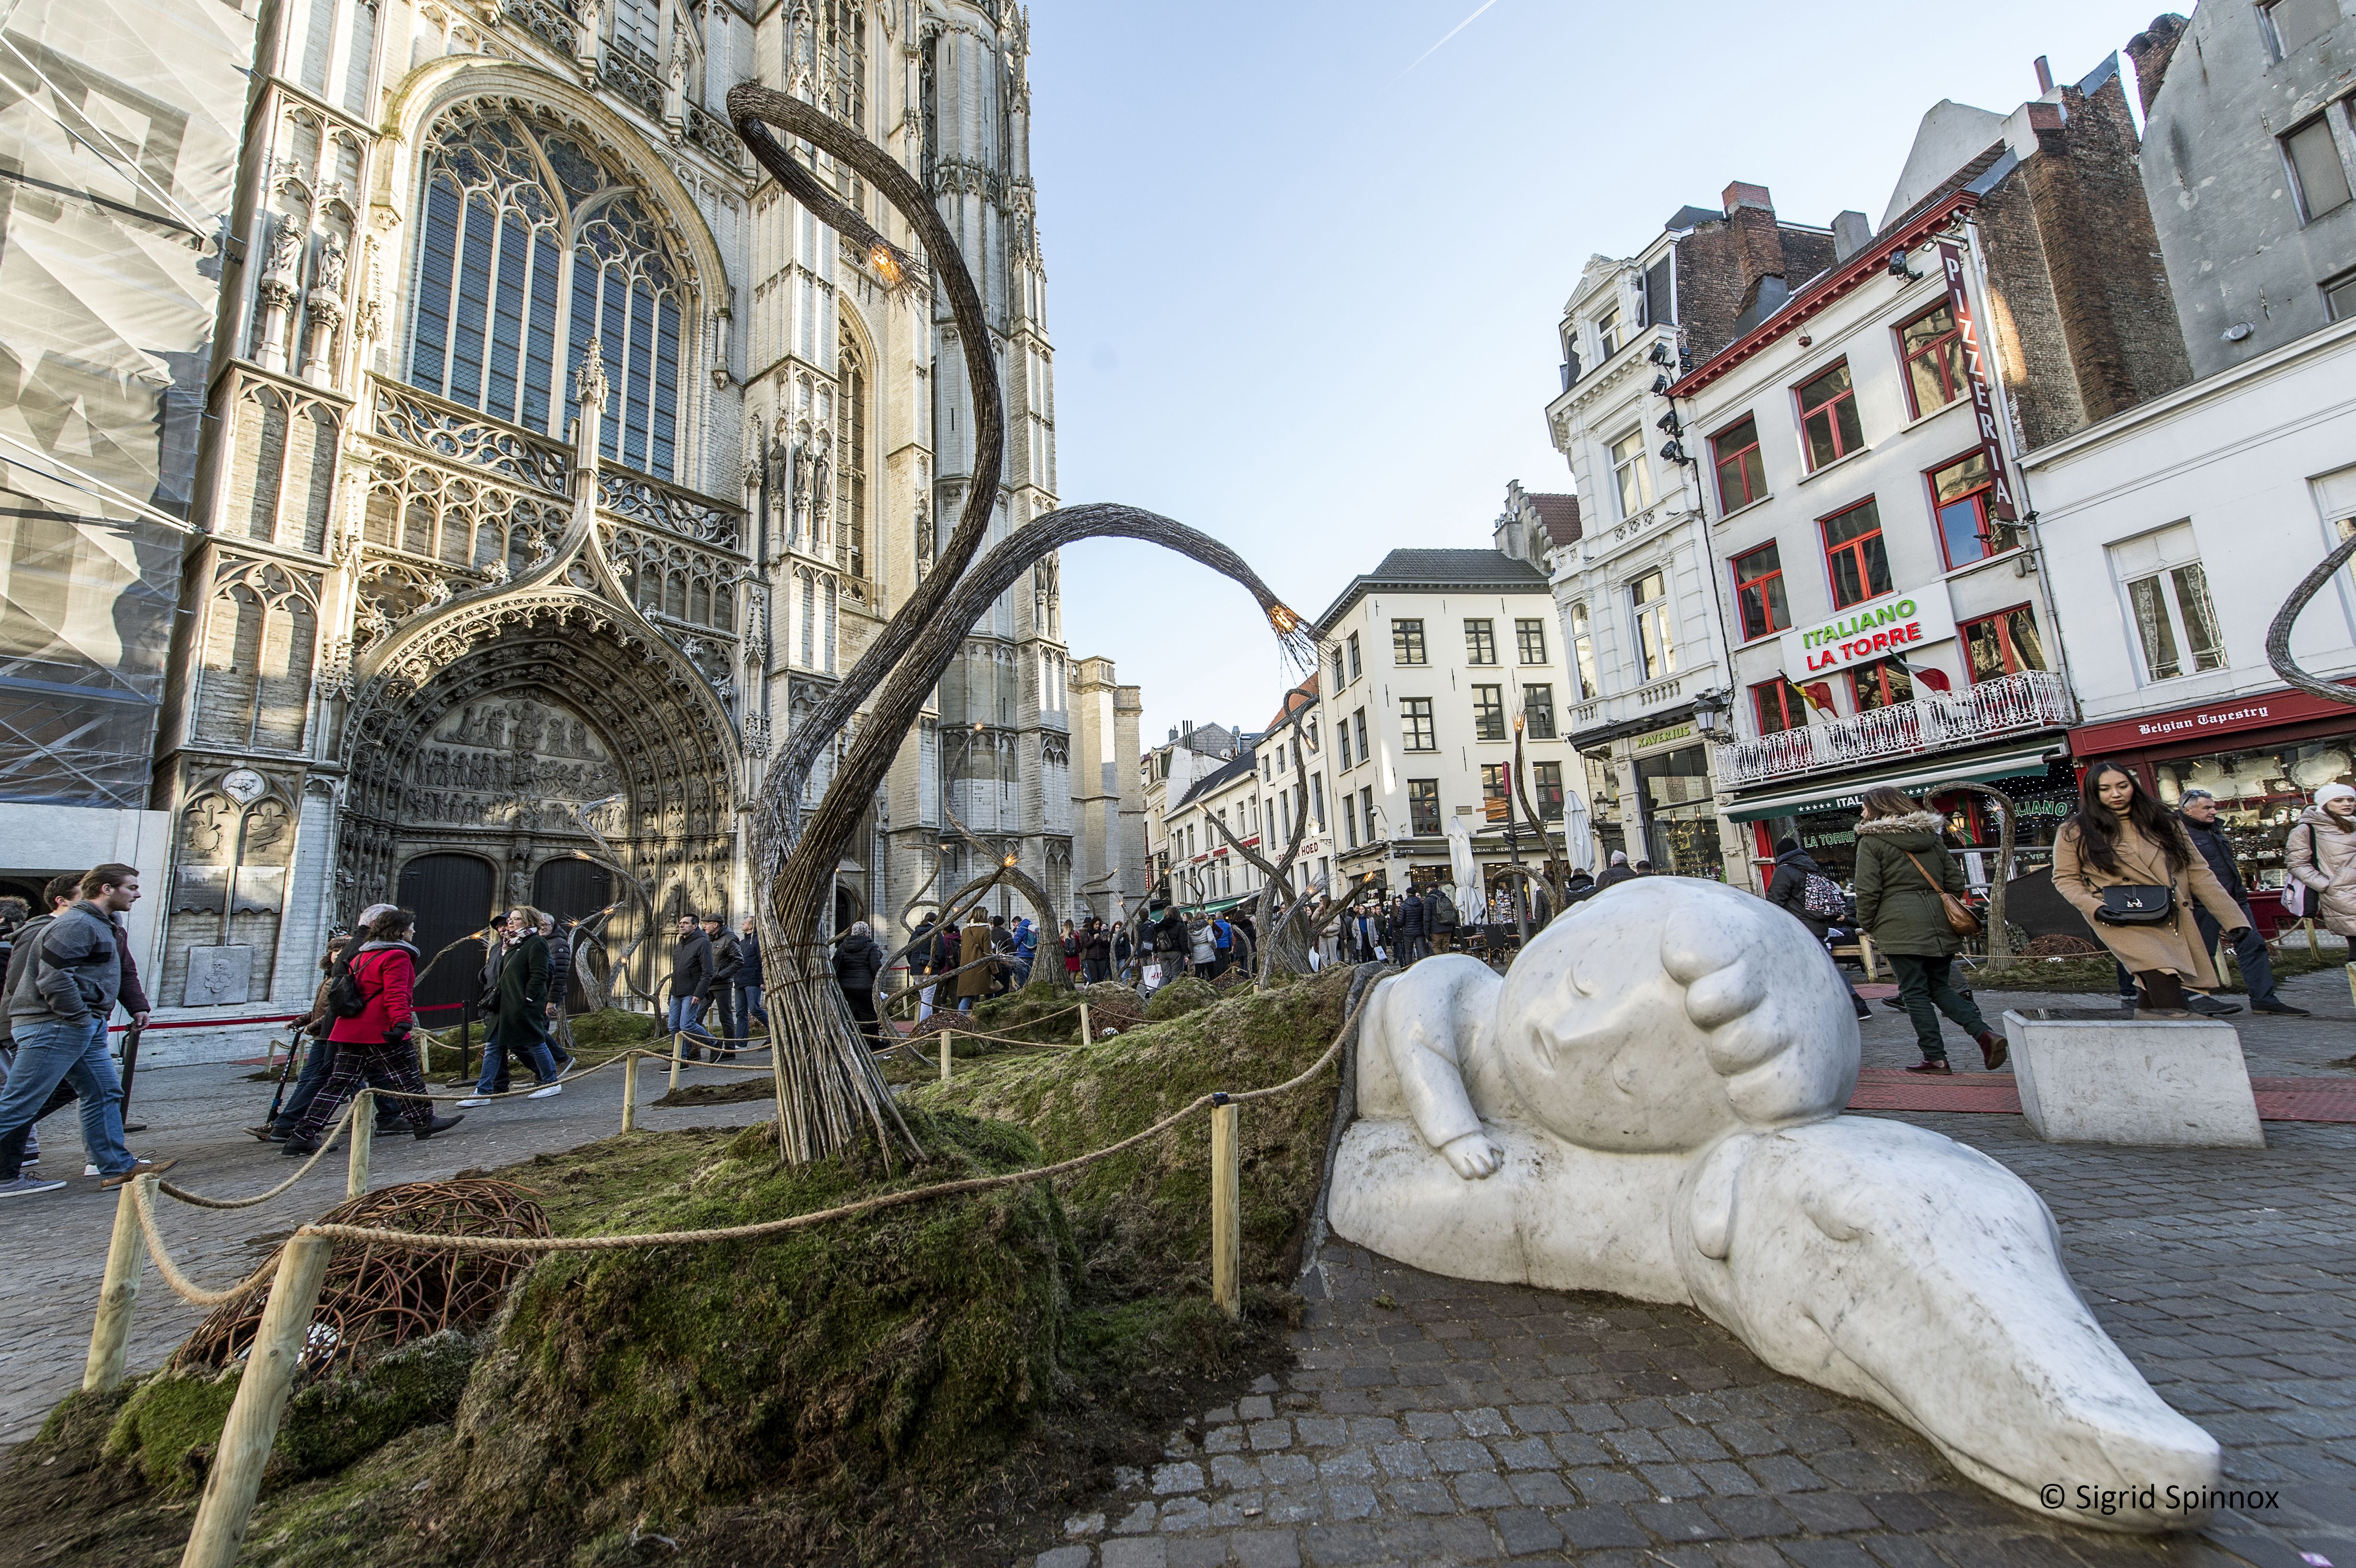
[(2000, 624), (1862, 551), (1751, 476), (1942, 355), (1778, 706), (1992, 536), (1884, 683), (1763, 592), (1843, 437)]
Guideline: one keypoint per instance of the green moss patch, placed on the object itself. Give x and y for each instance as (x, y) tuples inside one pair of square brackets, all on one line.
[(1186, 994)]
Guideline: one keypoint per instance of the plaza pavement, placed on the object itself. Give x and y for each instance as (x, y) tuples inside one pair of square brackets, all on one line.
[(1436, 1421)]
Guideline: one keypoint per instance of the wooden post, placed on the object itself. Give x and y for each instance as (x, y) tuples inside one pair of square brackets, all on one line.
[(1227, 1215), (2351, 981), (363, 1135), (425, 1055), (678, 1044), (947, 1036), (110, 1333), (1087, 1035), (2313, 950), (1864, 956), (629, 1091), (260, 1404)]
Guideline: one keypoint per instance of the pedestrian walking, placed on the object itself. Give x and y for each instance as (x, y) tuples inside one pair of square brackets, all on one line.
[(1414, 942), (1072, 945), (2195, 813), (1096, 952), (973, 948), (750, 980), (1026, 950), (1904, 878), (1801, 889), (690, 983), (59, 895), (1439, 917), (925, 960), (858, 959), (2321, 857), (558, 1033), (57, 1013), (1002, 945), (1617, 872), (1222, 945), (727, 958), (372, 1045), (319, 1049), (1579, 887), (519, 1011), (2124, 862), (1124, 948)]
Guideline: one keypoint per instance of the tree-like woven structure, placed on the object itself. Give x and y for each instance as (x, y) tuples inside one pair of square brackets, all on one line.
[(378, 1296), (828, 1090)]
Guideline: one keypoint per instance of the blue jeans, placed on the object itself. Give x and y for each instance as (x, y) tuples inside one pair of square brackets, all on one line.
[(2249, 950), (50, 1052), (748, 1006), (683, 1010), (526, 1042)]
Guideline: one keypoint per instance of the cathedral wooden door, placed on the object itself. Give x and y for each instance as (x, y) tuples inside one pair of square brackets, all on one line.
[(452, 895)]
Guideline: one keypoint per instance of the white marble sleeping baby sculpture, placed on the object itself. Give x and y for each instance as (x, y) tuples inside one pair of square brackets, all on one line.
[(1650, 1104)]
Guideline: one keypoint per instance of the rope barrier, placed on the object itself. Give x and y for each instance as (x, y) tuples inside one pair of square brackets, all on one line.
[(200, 1200), (182, 1285), (869, 1205)]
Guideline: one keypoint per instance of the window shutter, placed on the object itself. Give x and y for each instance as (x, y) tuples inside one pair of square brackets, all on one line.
[(1660, 292)]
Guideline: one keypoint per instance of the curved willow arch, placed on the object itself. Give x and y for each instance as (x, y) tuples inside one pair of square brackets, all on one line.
[(827, 1084), (2278, 634)]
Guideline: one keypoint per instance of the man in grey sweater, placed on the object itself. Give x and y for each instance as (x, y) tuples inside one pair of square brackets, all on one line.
[(58, 1012)]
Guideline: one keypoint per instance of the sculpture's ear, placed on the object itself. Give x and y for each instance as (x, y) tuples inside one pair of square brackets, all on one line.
[(1709, 1201)]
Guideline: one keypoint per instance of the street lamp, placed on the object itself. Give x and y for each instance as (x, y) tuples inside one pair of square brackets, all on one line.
[(1713, 715)]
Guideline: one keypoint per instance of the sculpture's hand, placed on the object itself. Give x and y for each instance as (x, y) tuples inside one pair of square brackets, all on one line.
[(1472, 1156)]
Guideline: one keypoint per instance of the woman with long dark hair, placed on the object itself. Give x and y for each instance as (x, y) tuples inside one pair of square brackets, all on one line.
[(2122, 862), (1902, 870)]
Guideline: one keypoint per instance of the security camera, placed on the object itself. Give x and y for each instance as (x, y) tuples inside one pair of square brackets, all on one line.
[(1660, 354), (1674, 451), (1900, 268), (1671, 423), (1661, 384)]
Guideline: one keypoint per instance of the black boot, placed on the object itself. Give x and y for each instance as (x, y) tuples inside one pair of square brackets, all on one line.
[(438, 1124)]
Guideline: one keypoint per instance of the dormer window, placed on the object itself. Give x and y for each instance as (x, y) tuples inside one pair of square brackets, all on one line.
[(1607, 333)]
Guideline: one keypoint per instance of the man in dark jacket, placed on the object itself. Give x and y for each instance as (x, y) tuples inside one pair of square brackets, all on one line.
[(58, 1012), (1579, 887), (2197, 810), (924, 961), (1787, 889), (59, 895), (1409, 922), (1618, 871), (691, 982), (560, 990), (518, 1020), (858, 957), (726, 960), (750, 979), (1440, 918)]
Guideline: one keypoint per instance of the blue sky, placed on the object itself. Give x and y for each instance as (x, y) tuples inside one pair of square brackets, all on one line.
[(1303, 289)]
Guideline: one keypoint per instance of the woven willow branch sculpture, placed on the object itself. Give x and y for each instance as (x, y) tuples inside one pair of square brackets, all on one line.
[(828, 1086), (2278, 634)]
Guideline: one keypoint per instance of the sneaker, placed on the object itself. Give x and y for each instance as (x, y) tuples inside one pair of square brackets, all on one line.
[(2280, 1008), (1994, 1049), (138, 1168), (1863, 1012), (438, 1124), (299, 1148), (564, 1066), (2210, 1007), (89, 1171), (1932, 1065), (1894, 1004), (477, 1100), (32, 1156), (265, 1132), (24, 1186), (544, 1091)]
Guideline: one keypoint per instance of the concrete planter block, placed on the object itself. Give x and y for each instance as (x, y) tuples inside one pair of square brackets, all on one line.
[(2091, 1076)]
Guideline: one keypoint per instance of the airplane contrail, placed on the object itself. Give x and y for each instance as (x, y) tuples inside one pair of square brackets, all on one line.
[(1443, 39)]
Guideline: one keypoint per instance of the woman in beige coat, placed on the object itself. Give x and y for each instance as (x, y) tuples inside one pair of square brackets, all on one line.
[(2321, 854), (2121, 837)]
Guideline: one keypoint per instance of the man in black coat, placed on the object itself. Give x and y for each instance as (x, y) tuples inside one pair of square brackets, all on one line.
[(1618, 871), (726, 960), (1580, 889), (858, 958), (1408, 921), (2197, 810), (691, 982)]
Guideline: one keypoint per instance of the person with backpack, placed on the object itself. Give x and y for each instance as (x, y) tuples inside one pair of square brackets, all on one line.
[(1801, 889), (1904, 878), (319, 1050), (371, 996)]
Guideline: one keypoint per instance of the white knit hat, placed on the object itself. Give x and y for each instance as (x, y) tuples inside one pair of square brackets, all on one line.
[(2332, 792)]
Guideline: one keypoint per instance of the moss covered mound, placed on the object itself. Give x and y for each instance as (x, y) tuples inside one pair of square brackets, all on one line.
[(1181, 997), (1143, 1217), (632, 1385), (1041, 1012)]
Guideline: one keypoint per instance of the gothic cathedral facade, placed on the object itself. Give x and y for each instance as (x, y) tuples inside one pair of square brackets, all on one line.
[(556, 463)]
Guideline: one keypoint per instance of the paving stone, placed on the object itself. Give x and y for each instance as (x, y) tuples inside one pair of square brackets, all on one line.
[(1067, 1557), (1150, 1551), (1185, 1477), (1265, 1549), (1197, 1552)]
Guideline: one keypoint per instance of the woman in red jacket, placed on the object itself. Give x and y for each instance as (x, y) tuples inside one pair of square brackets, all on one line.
[(373, 1045)]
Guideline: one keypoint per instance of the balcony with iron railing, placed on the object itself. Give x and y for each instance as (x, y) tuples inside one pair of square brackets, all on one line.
[(1939, 720)]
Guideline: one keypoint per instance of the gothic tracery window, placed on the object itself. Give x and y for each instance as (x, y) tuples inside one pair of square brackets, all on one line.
[(529, 238), (851, 463)]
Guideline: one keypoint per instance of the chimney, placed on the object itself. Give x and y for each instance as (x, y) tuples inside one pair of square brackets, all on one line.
[(1852, 232), (2151, 50), (2044, 75), (1758, 243)]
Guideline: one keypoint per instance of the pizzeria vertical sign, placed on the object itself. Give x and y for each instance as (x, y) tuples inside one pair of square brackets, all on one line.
[(1959, 306)]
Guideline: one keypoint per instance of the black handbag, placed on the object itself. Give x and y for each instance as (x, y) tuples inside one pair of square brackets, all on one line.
[(2137, 905)]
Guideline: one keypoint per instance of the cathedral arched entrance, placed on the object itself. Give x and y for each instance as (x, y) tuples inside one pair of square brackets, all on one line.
[(545, 742), (452, 895)]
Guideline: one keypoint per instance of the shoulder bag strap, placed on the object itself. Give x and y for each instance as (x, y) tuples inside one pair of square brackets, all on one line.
[(1926, 875)]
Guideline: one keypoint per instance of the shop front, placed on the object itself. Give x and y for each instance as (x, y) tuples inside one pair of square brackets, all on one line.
[(2040, 782), (2262, 757)]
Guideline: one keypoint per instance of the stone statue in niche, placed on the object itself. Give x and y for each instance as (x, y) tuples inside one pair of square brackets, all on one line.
[(1650, 1104)]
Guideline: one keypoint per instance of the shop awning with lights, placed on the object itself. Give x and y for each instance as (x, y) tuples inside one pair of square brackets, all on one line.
[(1923, 772)]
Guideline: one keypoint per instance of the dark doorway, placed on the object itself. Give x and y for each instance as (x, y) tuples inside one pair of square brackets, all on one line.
[(570, 890), (452, 895), (847, 910)]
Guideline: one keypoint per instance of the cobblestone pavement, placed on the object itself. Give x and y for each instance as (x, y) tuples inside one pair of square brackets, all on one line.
[(54, 1243), (1436, 1421)]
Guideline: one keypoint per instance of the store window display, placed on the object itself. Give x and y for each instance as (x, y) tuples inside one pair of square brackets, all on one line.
[(2259, 796)]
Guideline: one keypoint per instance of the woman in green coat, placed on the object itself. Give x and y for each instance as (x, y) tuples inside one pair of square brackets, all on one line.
[(1903, 867)]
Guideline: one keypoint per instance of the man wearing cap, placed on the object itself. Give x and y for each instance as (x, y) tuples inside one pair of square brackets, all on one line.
[(2197, 809)]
